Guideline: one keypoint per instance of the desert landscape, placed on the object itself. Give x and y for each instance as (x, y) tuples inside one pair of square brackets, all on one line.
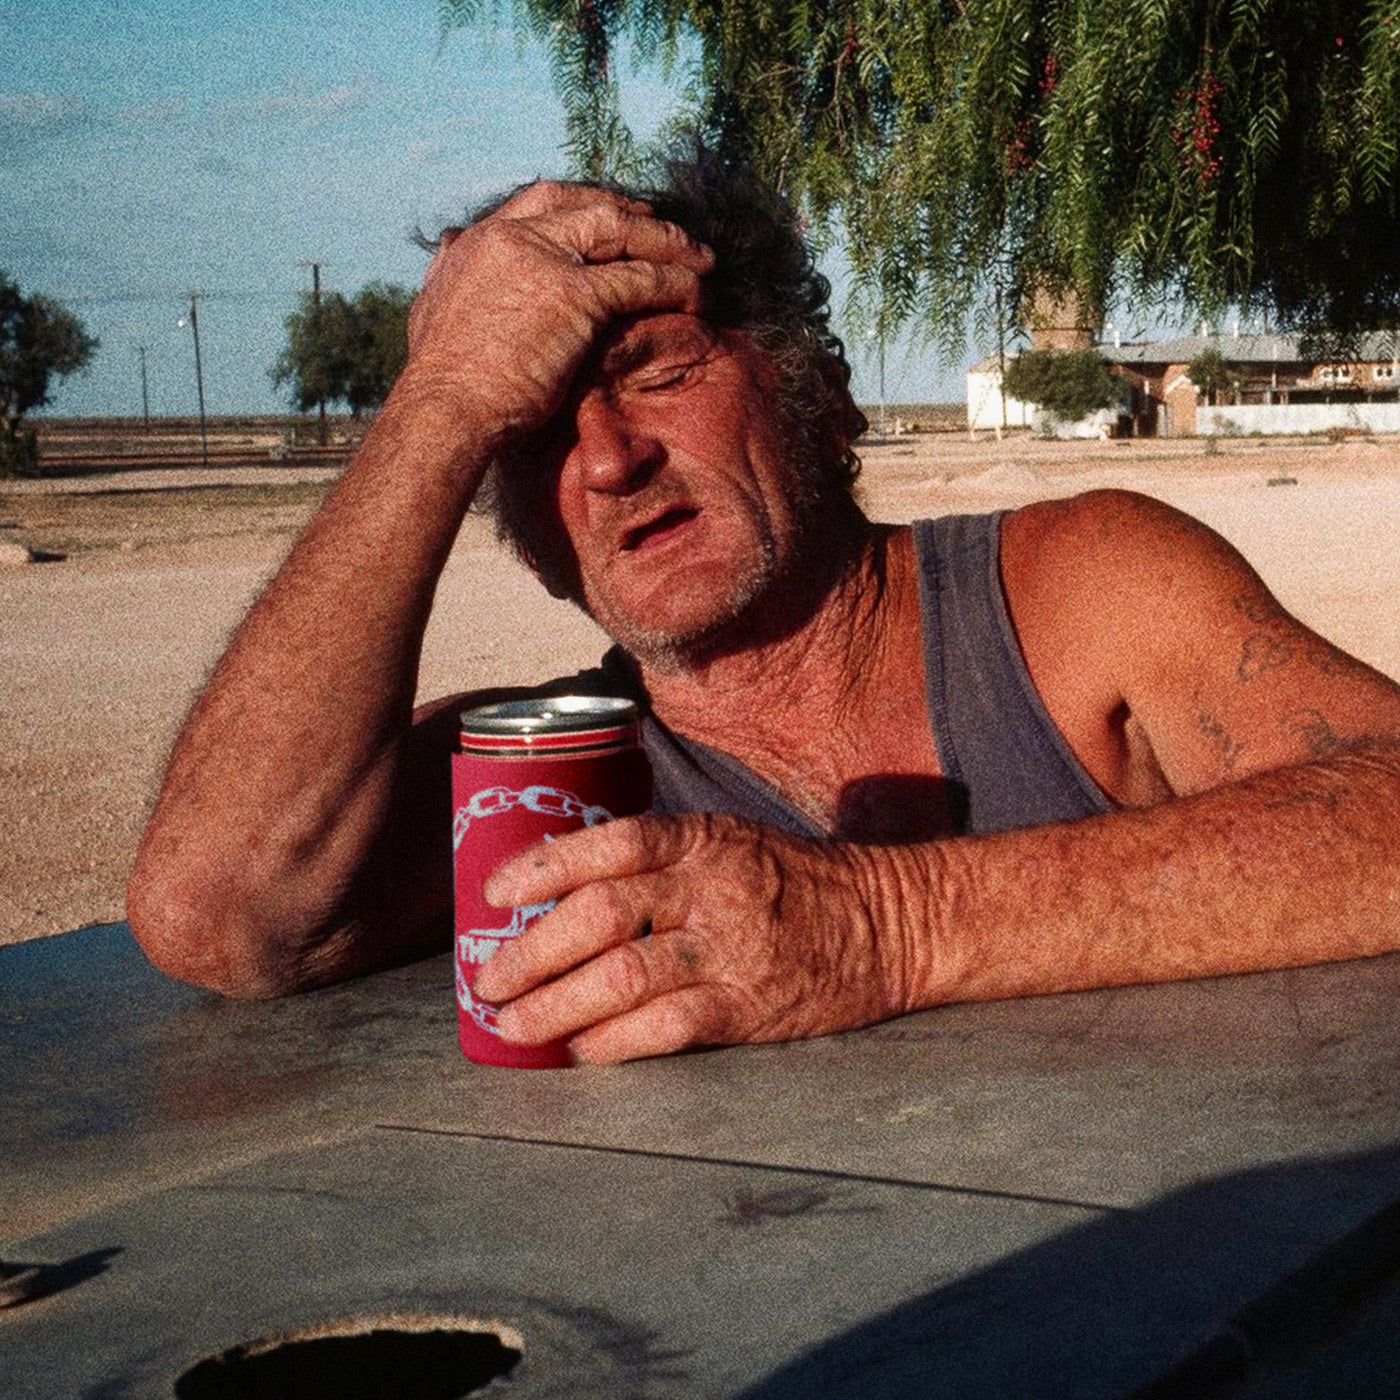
[(141, 574)]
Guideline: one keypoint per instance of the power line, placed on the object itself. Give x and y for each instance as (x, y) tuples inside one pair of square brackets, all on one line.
[(128, 298)]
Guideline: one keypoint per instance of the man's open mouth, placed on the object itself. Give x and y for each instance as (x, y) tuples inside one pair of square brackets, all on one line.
[(657, 528)]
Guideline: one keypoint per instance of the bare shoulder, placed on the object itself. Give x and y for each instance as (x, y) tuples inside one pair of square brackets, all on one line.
[(1153, 642), (1085, 575), (1099, 533)]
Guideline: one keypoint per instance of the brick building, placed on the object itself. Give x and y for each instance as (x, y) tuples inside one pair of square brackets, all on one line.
[(1275, 387), (1268, 371)]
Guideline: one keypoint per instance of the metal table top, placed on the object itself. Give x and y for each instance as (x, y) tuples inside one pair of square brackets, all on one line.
[(1061, 1196)]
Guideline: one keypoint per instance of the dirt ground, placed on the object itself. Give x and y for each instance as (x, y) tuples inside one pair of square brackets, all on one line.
[(103, 648)]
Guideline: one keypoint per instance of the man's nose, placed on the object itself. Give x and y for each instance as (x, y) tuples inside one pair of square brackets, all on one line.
[(615, 455)]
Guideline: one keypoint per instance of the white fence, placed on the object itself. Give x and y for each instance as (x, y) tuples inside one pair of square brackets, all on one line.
[(1260, 419)]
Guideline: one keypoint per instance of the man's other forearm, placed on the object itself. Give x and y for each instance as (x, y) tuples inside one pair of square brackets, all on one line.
[(1287, 868), (282, 780)]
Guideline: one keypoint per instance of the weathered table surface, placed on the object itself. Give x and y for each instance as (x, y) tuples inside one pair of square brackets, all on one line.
[(1064, 1196)]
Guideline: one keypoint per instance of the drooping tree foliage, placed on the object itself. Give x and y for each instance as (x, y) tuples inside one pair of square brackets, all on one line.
[(1212, 151), (40, 341), (345, 350)]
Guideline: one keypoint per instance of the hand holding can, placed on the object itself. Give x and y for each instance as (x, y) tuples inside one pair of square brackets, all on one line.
[(528, 770)]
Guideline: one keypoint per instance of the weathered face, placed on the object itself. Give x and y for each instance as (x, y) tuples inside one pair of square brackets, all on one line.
[(673, 488)]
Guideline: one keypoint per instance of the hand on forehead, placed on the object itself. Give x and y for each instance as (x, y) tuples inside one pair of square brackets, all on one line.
[(597, 226), (558, 196)]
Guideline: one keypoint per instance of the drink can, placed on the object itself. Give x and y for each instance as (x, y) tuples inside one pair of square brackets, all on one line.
[(526, 771)]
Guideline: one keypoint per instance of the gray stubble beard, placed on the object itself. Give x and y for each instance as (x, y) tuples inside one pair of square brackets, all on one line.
[(673, 653)]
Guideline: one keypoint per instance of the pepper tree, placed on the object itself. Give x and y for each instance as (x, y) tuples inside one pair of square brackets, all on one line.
[(973, 152)]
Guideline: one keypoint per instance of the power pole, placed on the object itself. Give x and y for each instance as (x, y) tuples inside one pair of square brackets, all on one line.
[(322, 430), (199, 377), (145, 391), (1001, 362), (882, 382)]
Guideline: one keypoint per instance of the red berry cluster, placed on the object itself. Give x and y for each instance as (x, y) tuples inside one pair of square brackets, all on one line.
[(1195, 134), (1018, 148)]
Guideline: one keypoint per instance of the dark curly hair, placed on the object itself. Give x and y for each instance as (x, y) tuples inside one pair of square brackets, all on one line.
[(765, 286)]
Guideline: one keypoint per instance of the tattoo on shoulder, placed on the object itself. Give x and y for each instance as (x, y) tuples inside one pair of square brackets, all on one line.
[(1280, 641), (1312, 729), (1272, 645), (1324, 657), (1259, 608), (1262, 653), (1225, 743)]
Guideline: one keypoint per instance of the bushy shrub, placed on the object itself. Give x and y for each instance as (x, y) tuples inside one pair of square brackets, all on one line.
[(19, 456), (1068, 384)]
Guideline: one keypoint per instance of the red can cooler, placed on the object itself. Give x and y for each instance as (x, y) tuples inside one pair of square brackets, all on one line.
[(525, 771)]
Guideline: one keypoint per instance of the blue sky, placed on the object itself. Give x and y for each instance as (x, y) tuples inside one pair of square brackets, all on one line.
[(150, 148)]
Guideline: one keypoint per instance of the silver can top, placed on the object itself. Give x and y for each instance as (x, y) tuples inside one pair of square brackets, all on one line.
[(554, 723), (555, 714)]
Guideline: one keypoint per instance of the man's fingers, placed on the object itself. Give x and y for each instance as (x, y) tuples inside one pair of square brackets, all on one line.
[(581, 926), (557, 196), (621, 980), (609, 234), (629, 846), (625, 288), (674, 1022)]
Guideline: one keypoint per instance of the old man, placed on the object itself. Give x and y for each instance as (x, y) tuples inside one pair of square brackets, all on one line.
[(1071, 746)]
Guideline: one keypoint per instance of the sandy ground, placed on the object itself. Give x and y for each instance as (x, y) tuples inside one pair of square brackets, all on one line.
[(102, 651)]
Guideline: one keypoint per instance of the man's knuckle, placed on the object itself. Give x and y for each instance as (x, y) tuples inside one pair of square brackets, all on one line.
[(630, 974), (687, 954), (602, 906), (681, 1021)]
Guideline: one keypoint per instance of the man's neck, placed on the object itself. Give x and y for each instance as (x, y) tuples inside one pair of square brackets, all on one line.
[(792, 707)]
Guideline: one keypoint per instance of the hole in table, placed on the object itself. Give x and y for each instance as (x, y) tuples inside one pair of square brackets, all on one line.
[(361, 1359)]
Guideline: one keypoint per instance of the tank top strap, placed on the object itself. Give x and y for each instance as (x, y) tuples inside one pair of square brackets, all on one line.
[(995, 739)]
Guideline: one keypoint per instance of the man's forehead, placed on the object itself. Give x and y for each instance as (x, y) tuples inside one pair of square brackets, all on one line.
[(637, 338)]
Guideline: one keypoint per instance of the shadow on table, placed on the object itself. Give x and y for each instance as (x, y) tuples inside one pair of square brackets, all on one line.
[(1282, 1281)]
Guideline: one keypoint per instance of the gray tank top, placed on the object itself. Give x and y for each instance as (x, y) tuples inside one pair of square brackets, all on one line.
[(1005, 763)]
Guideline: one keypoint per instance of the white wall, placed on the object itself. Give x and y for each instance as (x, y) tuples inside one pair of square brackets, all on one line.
[(1298, 418), (1099, 424), (984, 402)]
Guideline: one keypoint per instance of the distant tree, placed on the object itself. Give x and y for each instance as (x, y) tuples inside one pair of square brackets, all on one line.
[(379, 333), (345, 351), (39, 341), (1210, 372), (1212, 151), (1070, 384)]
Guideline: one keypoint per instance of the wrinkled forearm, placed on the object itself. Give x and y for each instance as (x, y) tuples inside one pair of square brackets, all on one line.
[(281, 782), (1296, 866)]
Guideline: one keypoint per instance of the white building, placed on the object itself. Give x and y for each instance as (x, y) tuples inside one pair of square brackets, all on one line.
[(984, 400)]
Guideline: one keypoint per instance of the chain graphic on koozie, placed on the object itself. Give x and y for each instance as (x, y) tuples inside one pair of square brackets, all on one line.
[(548, 801), (477, 944)]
